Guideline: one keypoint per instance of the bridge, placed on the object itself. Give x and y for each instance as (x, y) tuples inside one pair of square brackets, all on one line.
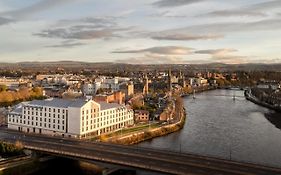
[(137, 157)]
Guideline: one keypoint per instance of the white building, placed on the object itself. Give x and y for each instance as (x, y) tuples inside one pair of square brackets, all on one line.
[(104, 83), (70, 118)]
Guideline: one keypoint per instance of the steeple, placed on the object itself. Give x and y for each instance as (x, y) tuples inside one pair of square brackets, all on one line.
[(145, 88), (170, 79)]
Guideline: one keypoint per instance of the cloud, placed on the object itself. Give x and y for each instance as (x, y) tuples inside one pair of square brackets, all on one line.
[(252, 10), (216, 51), (227, 13), (165, 50), (5, 20), (174, 3), (224, 55), (184, 37), (67, 44), (153, 59), (82, 35), (228, 27), (36, 7), (90, 21), (166, 14), (84, 29)]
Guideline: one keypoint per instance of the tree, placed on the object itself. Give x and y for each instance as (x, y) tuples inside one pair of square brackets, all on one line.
[(3, 88)]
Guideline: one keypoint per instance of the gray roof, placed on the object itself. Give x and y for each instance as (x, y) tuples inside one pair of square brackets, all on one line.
[(105, 106), (18, 110), (58, 103)]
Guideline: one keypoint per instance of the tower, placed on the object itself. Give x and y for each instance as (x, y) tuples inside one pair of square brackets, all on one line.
[(170, 79), (145, 88)]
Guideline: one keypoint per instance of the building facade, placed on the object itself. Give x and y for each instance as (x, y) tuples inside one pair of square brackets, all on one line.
[(69, 118)]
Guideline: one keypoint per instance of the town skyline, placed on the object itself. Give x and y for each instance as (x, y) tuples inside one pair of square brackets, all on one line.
[(146, 32)]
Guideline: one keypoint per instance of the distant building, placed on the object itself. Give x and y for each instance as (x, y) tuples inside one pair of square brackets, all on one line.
[(127, 88), (111, 84), (115, 97), (141, 116), (70, 118)]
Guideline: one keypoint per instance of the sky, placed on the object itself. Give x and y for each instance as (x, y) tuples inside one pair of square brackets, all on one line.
[(141, 32)]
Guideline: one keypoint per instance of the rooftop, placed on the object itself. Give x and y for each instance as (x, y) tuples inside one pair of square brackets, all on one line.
[(59, 103), (105, 106)]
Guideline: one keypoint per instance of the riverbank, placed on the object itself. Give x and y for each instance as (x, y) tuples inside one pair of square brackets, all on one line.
[(134, 138), (253, 99)]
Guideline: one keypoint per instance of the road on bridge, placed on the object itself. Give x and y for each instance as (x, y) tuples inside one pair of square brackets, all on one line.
[(146, 158)]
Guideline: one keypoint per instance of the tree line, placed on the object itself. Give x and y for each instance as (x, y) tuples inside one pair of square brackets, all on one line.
[(8, 97)]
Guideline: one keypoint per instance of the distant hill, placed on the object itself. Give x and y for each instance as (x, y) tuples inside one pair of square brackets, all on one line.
[(78, 65)]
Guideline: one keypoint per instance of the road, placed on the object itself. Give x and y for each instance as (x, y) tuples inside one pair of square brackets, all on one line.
[(146, 158)]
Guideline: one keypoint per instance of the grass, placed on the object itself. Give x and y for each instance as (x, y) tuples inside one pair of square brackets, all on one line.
[(127, 131)]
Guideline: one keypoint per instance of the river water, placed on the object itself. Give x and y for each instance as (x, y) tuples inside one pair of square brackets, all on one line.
[(219, 126)]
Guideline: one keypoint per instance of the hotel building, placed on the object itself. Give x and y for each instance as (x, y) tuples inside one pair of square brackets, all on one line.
[(69, 118)]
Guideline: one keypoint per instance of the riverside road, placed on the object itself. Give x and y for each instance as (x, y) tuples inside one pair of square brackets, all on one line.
[(145, 158)]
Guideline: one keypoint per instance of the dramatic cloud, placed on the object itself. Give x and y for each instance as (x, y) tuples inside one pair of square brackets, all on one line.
[(175, 3), (184, 37), (252, 10), (223, 55), (165, 50)]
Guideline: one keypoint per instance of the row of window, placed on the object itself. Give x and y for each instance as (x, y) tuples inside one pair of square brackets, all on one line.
[(40, 124), (19, 120), (45, 109)]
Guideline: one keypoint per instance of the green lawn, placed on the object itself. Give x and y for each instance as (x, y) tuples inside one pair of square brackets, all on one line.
[(127, 131)]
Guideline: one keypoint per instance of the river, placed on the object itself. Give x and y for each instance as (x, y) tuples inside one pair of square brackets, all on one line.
[(219, 126)]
